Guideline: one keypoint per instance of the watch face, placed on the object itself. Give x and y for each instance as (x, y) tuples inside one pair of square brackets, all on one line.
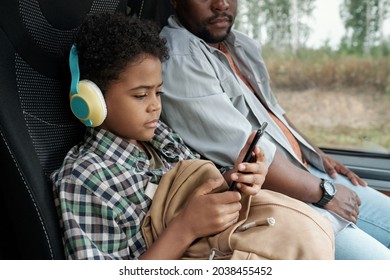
[(330, 188)]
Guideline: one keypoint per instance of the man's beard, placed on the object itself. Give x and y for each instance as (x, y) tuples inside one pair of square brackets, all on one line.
[(209, 38)]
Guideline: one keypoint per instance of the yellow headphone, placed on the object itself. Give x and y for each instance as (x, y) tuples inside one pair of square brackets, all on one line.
[(86, 99)]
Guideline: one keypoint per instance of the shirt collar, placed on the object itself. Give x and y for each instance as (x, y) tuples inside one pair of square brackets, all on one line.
[(111, 147)]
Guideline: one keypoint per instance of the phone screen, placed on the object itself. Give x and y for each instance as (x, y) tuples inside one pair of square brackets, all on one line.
[(248, 154)]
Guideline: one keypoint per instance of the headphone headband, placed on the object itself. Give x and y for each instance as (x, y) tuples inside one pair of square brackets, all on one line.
[(74, 69)]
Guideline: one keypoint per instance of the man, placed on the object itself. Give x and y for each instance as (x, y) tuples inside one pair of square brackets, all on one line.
[(217, 91)]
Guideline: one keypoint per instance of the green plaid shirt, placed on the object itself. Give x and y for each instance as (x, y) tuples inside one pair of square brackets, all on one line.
[(100, 192)]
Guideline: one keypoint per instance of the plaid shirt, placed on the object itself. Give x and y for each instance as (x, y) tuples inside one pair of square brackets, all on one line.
[(100, 192)]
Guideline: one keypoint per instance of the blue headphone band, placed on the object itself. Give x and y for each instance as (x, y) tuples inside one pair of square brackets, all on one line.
[(74, 69)]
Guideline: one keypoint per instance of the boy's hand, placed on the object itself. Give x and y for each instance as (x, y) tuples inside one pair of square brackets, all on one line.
[(208, 213), (251, 175)]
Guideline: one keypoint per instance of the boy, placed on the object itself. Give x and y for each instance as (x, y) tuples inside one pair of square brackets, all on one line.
[(101, 188)]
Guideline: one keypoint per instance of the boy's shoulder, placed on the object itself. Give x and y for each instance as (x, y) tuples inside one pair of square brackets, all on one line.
[(77, 161)]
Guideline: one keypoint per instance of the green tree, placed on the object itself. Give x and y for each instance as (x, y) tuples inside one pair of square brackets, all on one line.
[(250, 19), (281, 20), (363, 20), (277, 21), (300, 31)]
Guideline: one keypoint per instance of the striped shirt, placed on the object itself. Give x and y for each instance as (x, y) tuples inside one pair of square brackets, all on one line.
[(100, 195)]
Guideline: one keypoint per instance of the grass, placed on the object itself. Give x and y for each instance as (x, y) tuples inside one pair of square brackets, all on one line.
[(375, 139), (325, 71), (368, 78)]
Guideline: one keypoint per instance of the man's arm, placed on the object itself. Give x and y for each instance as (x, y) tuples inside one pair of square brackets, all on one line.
[(286, 178), (332, 166)]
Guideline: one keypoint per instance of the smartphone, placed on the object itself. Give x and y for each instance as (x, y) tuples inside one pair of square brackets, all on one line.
[(248, 154)]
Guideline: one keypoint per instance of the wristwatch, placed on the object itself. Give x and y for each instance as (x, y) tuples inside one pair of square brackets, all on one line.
[(329, 191)]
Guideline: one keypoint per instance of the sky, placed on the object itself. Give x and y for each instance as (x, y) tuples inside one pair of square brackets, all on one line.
[(326, 24)]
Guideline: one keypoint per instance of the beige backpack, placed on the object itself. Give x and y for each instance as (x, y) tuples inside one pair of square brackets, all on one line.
[(271, 225)]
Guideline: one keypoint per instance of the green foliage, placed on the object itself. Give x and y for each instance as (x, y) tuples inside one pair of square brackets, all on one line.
[(363, 20), (280, 20)]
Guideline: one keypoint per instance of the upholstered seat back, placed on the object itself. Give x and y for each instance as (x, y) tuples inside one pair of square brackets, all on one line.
[(36, 124)]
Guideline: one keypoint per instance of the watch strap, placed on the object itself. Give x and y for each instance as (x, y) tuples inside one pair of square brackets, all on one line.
[(326, 197)]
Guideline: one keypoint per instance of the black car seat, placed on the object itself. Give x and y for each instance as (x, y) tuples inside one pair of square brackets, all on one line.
[(36, 125), (156, 10)]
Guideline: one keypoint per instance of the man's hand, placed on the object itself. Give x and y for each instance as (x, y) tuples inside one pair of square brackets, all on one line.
[(345, 203), (333, 168)]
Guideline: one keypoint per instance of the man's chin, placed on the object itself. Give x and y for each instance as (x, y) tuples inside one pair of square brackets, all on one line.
[(218, 36), (215, 39)]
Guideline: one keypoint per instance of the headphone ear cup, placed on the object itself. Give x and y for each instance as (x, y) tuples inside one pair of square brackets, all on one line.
[(88, 104)]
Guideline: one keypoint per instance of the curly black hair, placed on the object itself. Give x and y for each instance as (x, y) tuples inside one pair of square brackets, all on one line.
[(107, 43)]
